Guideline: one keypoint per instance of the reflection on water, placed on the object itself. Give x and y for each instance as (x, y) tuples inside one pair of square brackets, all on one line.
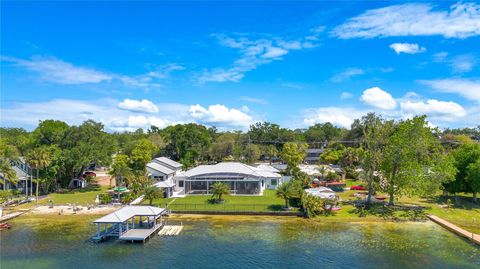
[(238, 242)]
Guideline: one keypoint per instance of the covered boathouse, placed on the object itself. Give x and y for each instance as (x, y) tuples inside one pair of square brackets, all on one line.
[(130, 223)]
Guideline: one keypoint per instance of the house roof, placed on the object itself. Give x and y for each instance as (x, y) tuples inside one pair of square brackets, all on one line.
[(160, 168), (230, 168), (164, 184), (268, 167), (321, 192), (127, 212), (169, 162)]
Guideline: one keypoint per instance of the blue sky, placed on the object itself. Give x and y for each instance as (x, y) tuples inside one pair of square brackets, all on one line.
[(230, 64)]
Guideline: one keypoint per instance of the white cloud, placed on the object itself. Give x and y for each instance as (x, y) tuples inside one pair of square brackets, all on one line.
[(462, 20), (463, 63), (342, 117), (274, 52), (254, 100), (459, 64), (106, 111), (252, 54), (347, 74), (215, 114), (135, 122), (408, 48), (378, 98), (292, 85), (346, 95), (138, 105), (434, 108), (468, 88), (58, 71), (440, 57)]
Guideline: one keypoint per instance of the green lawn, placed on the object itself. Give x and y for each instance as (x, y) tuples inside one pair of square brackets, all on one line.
[(464, 213), (267, 202), (76, 196)]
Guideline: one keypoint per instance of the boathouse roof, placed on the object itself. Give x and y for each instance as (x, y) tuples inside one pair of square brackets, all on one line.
[(127, 212)]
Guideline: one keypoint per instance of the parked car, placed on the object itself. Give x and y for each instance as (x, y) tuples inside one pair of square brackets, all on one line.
[(89, 173), (357, 188)]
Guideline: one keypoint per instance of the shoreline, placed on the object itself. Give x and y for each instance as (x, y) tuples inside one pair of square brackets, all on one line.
[(65, 210), (68, 211)]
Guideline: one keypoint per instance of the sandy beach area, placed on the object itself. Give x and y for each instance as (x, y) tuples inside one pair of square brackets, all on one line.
[(70, 210)]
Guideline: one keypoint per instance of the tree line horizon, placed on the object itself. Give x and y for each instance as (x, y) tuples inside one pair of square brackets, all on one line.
[(408, 152)]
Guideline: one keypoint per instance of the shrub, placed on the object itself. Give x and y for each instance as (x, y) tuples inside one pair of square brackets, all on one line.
[(105, 199)]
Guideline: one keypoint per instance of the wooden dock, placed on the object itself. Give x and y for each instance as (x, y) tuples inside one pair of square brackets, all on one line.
[(10, 216), (459, 231), (170, 230), (139, 234)]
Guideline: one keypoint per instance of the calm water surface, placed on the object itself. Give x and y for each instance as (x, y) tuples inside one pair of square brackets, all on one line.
[(238, 242)]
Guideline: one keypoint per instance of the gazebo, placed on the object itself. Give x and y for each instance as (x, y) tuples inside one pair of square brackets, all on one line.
[(122, 223)]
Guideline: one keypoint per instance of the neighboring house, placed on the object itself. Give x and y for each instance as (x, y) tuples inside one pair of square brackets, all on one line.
[(162, 171), (23, 178), (313, 155), (241, 178), (321, 192)]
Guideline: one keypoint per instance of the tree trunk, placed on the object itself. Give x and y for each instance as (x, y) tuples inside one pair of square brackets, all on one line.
[(286, 202), (370, 190), (390, 200), (36, 187)]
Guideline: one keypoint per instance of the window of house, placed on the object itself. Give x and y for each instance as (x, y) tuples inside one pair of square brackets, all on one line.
[(273, 182)]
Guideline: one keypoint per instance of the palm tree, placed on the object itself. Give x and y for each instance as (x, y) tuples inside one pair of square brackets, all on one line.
[(120, 168), (219, 189), (151, 192), (39, 158), (8, 154), (8, 173), (285, 191)]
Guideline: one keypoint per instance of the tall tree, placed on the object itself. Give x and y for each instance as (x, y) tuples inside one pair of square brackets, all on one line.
[(187, 141), (50, 132), (414, 161), (120, 169), (39, 158), (8, 155), (375, 132), (83, 145), (293, 154), (464, 156), (141, 154), (251, 153), (473, 178)]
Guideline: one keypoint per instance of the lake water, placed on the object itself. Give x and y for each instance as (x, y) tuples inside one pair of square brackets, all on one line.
[(238, 242)]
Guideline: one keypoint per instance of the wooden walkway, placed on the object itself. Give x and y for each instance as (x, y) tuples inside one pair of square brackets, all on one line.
[(170, 230), (10, 216), (459, 231), (139, 234)]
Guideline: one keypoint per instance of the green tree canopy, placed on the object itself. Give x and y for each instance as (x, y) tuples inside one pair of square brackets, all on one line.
[(293, 154)]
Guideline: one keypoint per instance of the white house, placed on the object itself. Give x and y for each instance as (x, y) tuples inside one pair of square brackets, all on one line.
[(322, 192), (242, 178), (162, 171), (23, 180)]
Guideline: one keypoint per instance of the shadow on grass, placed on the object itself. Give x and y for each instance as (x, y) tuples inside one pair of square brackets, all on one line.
[(461, 202), (89, 188), (275, 207)]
